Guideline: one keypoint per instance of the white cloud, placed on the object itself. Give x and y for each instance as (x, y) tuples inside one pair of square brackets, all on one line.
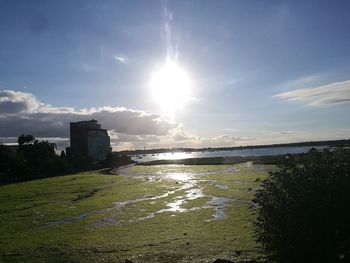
[(330, 94), (231, 129), (121, 59), (13, 102), (234, 139), (301, 82), (178, 135), (290, 136)]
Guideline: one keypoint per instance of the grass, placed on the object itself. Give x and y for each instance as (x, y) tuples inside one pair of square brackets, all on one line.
[(82, 217)]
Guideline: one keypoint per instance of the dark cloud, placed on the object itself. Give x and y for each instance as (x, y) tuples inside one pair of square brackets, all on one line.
[(23, 113), (12, 106), (134, 122)]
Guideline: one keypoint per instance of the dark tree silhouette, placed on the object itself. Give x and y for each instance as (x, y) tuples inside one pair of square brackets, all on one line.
[(7, 158), (25, 139), (36, 159), (304, 213), (63, 154)]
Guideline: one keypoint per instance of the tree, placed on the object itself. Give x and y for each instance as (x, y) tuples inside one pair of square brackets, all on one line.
[(304, 210), (7, 157), (63, 154), (25, 139)]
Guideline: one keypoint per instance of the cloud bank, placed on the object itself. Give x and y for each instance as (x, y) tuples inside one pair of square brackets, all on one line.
[(22, 112), (331, 94)]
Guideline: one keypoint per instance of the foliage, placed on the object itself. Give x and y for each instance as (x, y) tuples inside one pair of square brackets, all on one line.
[(304, 210), (35, 159), (25, 139), (7, 158), (63, 154), (116, 160)]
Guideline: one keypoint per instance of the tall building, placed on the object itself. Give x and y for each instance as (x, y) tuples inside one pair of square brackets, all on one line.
[(87, 138)]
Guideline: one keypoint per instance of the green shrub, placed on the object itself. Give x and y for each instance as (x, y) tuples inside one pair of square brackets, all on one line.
[(304, 208)]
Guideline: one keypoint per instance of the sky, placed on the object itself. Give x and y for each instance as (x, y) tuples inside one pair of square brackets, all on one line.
[(257, 72)]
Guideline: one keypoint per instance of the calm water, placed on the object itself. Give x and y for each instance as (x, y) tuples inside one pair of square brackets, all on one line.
[(245, 152)]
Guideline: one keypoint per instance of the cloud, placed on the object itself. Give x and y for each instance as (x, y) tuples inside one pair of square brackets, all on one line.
[(13, 102), (121, 59), (301, 82), (331, 94), (289, 132), (23, 113), (179, 135), (290, 136), (120, 137), (231, 129), (227, 138)]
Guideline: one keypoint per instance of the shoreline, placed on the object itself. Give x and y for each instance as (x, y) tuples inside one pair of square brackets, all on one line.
[(327, 143), (267, 159)]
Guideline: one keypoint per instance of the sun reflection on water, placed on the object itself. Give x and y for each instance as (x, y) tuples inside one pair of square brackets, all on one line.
[(180, 177)]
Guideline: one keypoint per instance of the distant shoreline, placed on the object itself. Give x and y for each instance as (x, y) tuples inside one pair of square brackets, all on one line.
[(267, 160), (331, 143)]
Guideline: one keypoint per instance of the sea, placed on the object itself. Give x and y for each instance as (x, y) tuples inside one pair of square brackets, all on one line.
[(205, 154)]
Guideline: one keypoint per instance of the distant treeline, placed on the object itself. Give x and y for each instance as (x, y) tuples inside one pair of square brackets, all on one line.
[(34, 159), (332, 143)]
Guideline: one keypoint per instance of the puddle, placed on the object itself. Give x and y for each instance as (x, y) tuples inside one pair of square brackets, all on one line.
[(192, 192), (185, 182), (118, 206), (259, 168), (218, 204), (66, 220), (183, 177), (175, 206), (126, 171), (221, 186)]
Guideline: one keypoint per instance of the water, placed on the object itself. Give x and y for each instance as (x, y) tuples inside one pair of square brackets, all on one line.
[(205, 154), (189, 187)]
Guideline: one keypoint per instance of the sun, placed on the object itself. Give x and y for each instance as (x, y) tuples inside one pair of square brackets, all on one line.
[(171, 87)]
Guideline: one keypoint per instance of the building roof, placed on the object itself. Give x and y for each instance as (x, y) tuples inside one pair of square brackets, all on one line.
[(90, 121)]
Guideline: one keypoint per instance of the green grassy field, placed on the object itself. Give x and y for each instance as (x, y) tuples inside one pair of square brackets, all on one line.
[(162, 213)]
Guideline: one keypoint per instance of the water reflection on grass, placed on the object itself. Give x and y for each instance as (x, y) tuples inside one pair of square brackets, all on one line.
[(138, 206)]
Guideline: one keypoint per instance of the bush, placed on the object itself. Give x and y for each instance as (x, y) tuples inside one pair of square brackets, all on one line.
[(304, 213), (36, 159)]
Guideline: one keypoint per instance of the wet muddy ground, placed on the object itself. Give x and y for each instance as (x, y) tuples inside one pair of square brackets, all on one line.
[(177, 213)]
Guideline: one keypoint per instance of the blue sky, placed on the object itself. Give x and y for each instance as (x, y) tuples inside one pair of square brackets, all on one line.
[(261, 71)]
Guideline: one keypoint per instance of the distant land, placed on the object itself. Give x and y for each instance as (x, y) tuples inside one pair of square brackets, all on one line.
[(331, 143)]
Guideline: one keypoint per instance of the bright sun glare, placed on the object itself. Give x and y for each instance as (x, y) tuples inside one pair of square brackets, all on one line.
[(171, 87)]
